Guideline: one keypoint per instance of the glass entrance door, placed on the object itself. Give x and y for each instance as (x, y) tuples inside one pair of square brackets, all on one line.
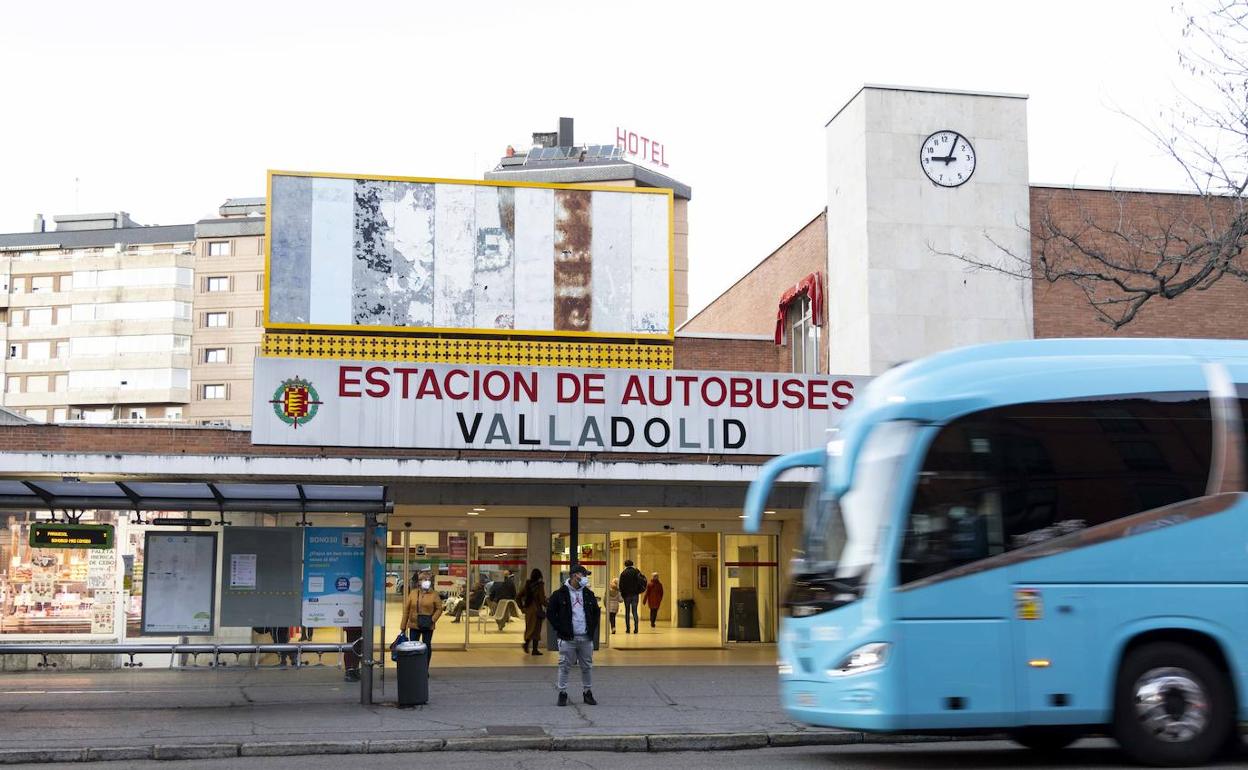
[(751, 587), (683, 575), (496, 575), (445, 554)]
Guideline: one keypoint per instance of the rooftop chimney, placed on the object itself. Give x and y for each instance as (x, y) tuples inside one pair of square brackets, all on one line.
[(40, 227), (565, 132)]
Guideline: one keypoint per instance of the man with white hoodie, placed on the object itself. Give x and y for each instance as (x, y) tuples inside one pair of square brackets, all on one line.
[(574, 614)]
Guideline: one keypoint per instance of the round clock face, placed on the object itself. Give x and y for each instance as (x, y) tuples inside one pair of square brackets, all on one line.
[(947, 158)]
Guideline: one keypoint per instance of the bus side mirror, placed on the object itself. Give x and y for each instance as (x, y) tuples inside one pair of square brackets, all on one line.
[(760, 487)]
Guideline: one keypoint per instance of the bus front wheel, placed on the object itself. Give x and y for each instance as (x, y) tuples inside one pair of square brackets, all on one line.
[(1172, 706), (1045, 740)]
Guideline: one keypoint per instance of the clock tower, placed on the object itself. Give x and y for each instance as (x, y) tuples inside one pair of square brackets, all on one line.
[(913, 176)]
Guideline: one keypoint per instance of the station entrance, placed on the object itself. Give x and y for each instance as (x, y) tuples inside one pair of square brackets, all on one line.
[(708, 585)]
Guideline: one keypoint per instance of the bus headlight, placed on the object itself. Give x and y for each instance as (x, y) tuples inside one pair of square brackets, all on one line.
[(868, 657)]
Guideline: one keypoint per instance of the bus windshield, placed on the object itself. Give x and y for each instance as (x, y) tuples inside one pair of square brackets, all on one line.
[(843, 533)]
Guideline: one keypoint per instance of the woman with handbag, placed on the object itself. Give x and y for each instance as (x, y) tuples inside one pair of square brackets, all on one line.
[(532, 600), (421, 611)]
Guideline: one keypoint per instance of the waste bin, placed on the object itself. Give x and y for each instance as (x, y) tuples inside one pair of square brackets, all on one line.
[(413, 673), (684, 613)]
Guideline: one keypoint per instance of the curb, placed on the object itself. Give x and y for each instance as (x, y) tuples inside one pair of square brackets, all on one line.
[(660, 742)]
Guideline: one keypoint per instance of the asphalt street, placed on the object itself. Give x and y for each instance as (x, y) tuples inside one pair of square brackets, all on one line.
[(948, 756)]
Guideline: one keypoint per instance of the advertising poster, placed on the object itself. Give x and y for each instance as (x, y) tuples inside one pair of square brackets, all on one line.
[(100, 569), (458, 546), (333, 576)]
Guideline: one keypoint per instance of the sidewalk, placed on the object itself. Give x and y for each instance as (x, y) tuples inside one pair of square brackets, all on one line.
[(199, 714)]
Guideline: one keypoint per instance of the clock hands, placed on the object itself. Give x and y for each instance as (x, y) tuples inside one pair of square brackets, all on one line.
[(949, 158)]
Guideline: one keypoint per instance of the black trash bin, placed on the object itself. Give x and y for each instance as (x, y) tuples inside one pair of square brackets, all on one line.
[(413, 673), (684, 613)]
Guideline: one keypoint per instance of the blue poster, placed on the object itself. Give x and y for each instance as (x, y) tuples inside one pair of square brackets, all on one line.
[(333, 576)]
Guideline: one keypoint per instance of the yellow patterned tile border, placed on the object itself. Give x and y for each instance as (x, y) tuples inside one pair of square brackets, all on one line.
[(502, 352)]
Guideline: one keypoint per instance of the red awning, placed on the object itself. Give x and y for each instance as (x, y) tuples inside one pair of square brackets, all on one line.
[(811, 286)]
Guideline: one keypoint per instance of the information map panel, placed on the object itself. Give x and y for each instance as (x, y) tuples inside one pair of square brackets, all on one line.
[(179, 582), (261, 570), (409, 254)]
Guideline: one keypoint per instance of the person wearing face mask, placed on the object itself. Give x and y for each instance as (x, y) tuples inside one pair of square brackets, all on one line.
[(573, 612), (421, 611)]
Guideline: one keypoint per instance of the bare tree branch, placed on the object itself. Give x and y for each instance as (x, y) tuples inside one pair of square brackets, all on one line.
[(1151, 248)]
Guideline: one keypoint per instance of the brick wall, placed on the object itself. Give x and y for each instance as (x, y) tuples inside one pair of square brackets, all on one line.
[(224, 442), (1061, 310), (735, 355), (749, 305)]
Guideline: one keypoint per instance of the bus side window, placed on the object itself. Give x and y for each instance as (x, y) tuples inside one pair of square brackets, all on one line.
[(1022, 474)]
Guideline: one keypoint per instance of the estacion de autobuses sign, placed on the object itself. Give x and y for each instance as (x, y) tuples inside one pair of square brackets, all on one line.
[(447, 406)]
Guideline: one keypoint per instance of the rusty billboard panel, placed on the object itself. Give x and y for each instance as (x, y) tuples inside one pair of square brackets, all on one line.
[(405, 254)]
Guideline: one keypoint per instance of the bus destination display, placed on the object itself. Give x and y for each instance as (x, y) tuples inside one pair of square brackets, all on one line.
[(54, 535)]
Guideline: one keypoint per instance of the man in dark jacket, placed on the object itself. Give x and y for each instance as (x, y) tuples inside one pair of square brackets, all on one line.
[(632, 586), (574, 614)]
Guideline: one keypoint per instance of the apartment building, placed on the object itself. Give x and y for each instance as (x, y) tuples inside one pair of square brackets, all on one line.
[(96, 319), (229, 296)]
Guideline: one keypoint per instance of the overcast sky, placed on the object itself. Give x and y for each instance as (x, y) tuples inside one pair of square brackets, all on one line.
[(164, 109)]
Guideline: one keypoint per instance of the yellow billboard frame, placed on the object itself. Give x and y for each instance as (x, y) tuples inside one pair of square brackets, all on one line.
[(437, 330)]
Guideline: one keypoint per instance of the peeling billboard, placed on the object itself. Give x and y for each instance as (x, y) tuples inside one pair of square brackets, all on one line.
[(405, 254)]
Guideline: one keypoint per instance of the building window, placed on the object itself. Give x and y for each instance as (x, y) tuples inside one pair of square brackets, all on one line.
[(218, 248), (38, 350), (217, 283), (60, 383), (216, 320), (58, 414), (39, 316), (67, 283), (213, 392), (12, 351), (19, 284), (803, 335), (216, 355), (137, 413), (1015, 476), (173, 413), (13, 385), (41, 283), (62, 349)]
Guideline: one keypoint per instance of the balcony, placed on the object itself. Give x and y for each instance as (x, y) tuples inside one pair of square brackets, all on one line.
[(36, 366), (92, 396), (110, 361)]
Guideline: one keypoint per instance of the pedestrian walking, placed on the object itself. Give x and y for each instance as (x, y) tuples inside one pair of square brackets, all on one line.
[(532, 600), (421, 611), (573, 612), (613, 601), (654, 597), (632, 586)]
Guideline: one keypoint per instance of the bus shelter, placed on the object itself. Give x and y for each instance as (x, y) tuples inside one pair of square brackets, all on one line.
[(200, 572)]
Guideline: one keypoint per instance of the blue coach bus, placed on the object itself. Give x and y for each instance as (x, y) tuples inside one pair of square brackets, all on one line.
[(1046, 538)]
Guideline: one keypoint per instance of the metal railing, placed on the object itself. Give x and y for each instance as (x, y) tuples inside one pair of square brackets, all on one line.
[(194, 650)]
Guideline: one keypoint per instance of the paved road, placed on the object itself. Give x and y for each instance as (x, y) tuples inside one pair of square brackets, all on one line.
[(949, 756)]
